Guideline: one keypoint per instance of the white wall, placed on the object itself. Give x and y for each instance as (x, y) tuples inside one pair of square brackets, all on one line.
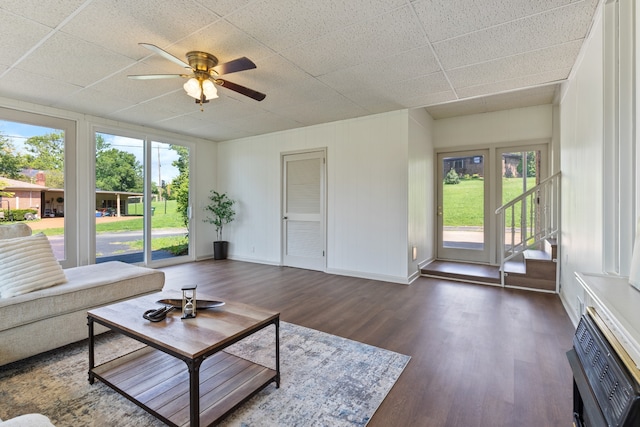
[(421, 231), (500, 127), (367, 193), (581, 130)]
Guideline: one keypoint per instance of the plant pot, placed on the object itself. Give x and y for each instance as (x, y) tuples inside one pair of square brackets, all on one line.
[(220, 249)]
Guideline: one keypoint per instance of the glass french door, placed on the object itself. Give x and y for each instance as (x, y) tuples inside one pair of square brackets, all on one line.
[(463, 209), (142, 208), (522, 168)]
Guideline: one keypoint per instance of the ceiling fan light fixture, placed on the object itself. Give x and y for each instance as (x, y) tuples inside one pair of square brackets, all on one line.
[(205, 71), (192, 87), (209, 89)]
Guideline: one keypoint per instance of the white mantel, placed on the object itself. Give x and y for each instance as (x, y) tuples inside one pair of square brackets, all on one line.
[(618, 304)]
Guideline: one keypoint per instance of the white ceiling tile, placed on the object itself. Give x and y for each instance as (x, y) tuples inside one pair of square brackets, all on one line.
[(27, 86), (376, 104), (525, 98), (182, 122), (231, 110), (139, 90), (50, 13), (283, 83), (219, 132), (517, 99), (135, 24), (516, 83), (72, 60), (429, 99), (312, 113), (554, 58), (224, 41), (393, 68), (264, 122), (359, 43), (547, 29), (389, 90), (285, 23), (91, 101), (447, 19), (224, 7), (18, 36)]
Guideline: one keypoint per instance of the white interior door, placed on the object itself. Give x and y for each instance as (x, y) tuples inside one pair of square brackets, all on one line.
[(304, 218)]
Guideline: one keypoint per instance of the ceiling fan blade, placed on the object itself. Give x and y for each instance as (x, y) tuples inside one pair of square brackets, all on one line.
[(156, 76), (241, 89), (155, 49), (239, 64)]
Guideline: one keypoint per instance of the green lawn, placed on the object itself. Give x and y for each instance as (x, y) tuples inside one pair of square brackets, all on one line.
[(463, 202)]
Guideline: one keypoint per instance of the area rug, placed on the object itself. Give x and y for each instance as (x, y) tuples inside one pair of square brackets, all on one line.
[(325, 381)]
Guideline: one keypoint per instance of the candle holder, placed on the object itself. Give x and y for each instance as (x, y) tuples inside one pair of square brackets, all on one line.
[(189, 302)]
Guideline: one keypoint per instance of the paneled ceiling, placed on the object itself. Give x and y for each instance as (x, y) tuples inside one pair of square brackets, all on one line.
[(317, 60)]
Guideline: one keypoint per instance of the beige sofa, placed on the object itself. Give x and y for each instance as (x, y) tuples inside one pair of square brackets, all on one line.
[(49, 318)]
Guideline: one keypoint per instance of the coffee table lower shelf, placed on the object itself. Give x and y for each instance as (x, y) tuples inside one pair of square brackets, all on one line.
[(159, 383)]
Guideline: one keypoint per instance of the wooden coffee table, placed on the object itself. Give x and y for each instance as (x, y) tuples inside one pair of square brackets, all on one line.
[(211, 385)]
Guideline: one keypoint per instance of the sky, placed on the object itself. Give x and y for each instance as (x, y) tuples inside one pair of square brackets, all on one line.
[(17, 133)]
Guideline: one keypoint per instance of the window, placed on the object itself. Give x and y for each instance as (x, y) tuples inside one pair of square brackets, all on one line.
[(35, 183)]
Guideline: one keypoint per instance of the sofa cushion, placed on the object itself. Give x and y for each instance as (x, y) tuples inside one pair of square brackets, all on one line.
[(28, 264), (87, 287)]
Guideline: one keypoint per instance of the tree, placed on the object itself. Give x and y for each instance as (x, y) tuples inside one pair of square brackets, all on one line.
[(11, 162), (45, 152), (180, 184), (452, 177), (101, 144), (3, 193), (531, 165), (118, 170)]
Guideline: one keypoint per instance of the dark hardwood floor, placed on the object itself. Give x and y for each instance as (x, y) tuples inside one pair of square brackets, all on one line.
[(480, 355)]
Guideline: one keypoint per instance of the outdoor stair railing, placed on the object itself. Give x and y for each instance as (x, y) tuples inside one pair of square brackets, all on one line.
[(528, 220)]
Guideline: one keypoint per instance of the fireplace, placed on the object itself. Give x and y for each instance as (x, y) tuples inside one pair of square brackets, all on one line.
[(605, 393)]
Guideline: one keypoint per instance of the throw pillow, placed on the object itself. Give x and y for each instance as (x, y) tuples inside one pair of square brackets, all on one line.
[(13, 231), (28, 264)]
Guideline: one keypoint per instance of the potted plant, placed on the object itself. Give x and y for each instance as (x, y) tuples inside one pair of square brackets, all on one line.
[(219, 212)]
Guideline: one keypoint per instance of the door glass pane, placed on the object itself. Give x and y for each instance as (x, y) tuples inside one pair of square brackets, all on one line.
[(520, 172), (463, 202), (119, 198), (32, 179), (170, 202)]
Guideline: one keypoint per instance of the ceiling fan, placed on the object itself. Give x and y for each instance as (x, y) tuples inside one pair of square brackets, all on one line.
[(204, 72)]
